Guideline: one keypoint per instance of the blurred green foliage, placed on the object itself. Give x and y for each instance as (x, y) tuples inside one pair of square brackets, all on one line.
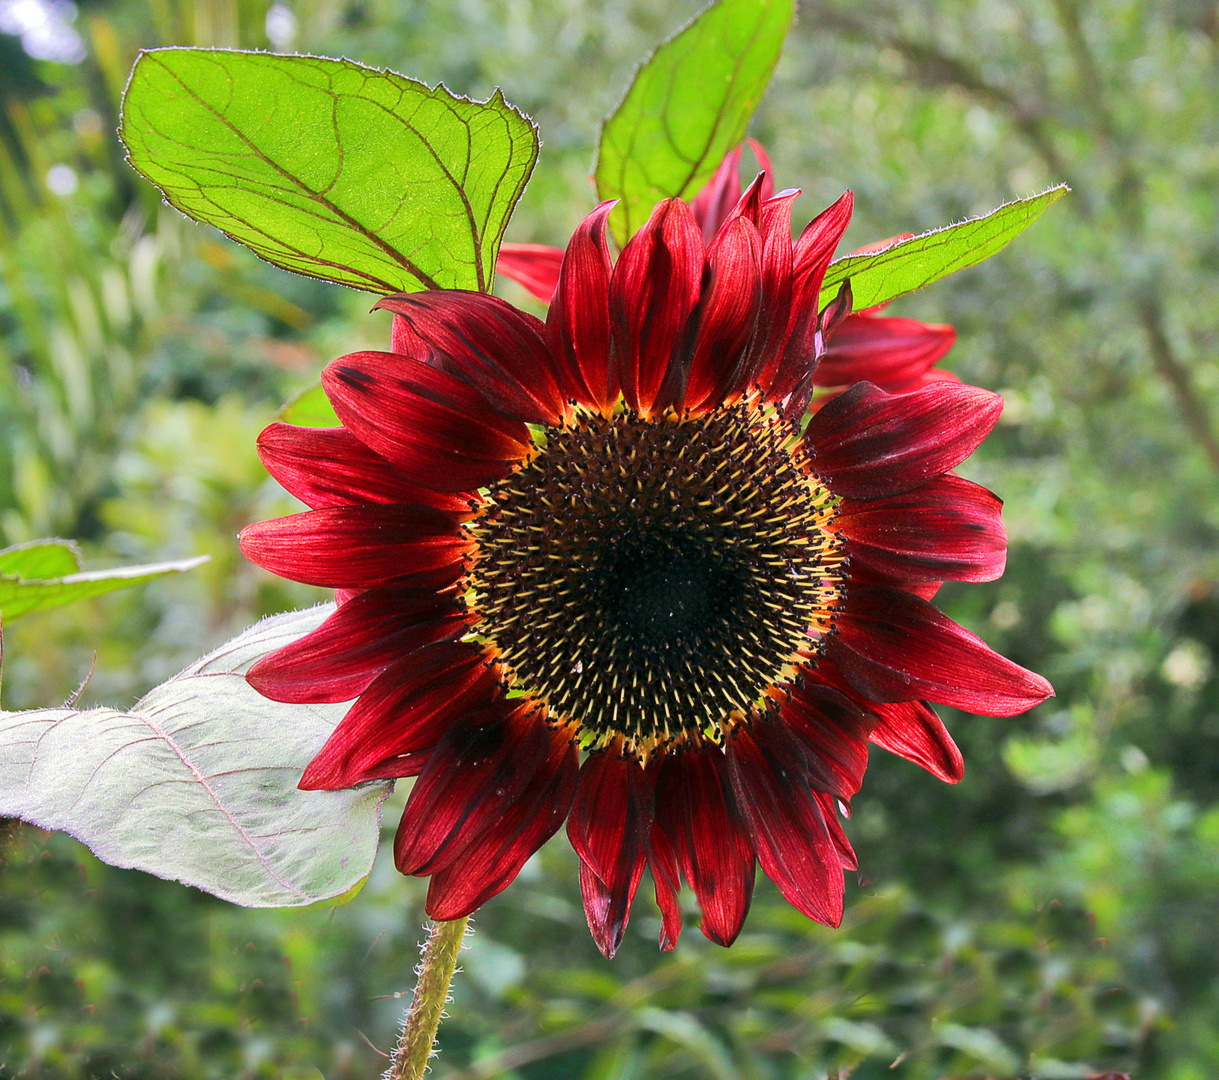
[(1053, 915)]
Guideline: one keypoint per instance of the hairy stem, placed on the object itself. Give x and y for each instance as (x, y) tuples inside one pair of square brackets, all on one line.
[(427, 1006)]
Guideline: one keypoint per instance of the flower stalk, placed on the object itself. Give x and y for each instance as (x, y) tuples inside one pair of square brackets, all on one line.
[(419, 1024)]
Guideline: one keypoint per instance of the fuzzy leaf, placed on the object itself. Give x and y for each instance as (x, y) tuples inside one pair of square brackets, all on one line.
[(310, 408), (911, 264), (46, 574), (329, 168), (688, 105), (197, 783)]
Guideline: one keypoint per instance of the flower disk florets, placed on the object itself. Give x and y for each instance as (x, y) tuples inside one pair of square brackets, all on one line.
[(650, 579)]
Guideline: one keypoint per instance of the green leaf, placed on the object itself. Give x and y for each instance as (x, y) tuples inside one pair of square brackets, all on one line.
[(197, 783), (40, 559), (310, 408), (45, 574), (911, 264), (688, 106), (329, 168)]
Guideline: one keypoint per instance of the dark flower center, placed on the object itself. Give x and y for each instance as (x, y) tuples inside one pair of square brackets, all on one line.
[(650, 579)]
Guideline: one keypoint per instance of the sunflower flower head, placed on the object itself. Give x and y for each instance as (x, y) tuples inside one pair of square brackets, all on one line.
[(594, 570)]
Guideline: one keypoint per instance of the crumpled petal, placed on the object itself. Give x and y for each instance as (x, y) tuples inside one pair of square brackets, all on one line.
[(492, 859)]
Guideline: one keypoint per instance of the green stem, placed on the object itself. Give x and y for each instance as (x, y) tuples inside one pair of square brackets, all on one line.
[(427, 1007)]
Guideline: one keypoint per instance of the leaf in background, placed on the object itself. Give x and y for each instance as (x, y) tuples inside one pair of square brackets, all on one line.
[(688, 106), (911, 264), (310, 408), (198, 782), (45, 574), (329, 168)]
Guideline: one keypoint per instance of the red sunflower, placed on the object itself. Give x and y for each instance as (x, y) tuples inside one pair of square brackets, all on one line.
[(897, 354), (592, 570)]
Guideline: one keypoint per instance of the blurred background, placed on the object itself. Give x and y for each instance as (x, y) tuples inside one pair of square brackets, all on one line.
[(1054, 915)]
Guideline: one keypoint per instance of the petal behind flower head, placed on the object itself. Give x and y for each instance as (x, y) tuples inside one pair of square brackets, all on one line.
[(536, 266), (893, 353), (712, 205)]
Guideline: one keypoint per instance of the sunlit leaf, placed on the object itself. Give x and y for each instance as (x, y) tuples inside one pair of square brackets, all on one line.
[(46, 574), (40, 559), (197, 783), (310, 408), (920, 260), (688, 106), (329, 168)]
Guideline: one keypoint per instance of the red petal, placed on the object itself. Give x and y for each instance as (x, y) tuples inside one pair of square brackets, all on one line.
[(359, 547), (833, 732), (749, 205), (909, 729), (608, 826), (490, 862), (652, 294), (351, 648), (579, 319), (482, 766), (402, 715), (810, 257), (892, 646), (878, 246), (784, 819), (331, 467), (437, 429), (947, 529), (487, 343), (696, 818), (861, 575), (892, 353), (829, 814), (536, 266), (728, 312), (712, 205), (759, 152), (867, 444), (662, 861), (912, 730), (769, 344)]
